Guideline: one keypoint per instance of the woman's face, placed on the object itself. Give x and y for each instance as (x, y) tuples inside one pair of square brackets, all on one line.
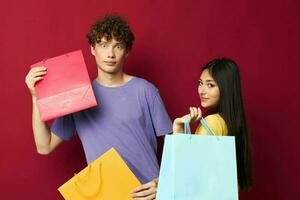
[(208, 90)]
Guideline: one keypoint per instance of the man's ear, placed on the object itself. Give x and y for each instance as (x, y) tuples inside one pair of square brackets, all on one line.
[(93, 50), (127, 53)]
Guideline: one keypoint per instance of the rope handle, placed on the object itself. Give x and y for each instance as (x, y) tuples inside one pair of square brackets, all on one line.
[(78, 180), (187, 129)]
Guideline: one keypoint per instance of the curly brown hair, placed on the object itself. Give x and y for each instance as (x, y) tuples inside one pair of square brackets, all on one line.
[(111, 26)]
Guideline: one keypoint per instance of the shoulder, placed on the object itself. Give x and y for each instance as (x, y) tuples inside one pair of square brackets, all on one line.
[(144, 83), (144, 86), (214, 119), (216, 123)]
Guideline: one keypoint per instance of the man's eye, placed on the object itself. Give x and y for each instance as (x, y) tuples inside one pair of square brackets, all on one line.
[(103, 45), (119, 46), (200, 83)]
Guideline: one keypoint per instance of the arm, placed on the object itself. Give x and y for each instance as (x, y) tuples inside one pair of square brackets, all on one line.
[(45, 140)]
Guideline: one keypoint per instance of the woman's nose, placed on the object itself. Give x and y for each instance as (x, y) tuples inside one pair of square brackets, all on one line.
[(201, 90)]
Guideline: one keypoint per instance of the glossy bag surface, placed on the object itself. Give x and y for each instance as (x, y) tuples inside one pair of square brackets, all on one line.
[(107, 177), (198, 167), (66, 88)]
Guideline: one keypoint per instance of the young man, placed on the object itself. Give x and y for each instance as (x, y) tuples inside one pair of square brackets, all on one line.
[(129, 114)]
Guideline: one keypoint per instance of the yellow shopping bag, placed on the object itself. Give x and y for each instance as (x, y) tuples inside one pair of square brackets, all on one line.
[(106, 178)]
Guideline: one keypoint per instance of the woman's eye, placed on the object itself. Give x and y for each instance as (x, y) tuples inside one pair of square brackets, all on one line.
[(209, 85), (200, 83)]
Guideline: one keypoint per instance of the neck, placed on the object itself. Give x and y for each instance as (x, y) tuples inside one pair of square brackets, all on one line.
[(112, 80)]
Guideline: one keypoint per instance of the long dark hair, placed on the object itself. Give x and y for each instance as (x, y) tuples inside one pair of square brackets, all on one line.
[(226, 74)]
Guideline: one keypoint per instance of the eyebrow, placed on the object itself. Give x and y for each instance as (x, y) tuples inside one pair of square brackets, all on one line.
[(103, 41), (117, 43), (206, 80)]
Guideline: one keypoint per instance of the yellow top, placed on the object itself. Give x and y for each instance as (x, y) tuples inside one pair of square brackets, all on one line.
[(216, 123)]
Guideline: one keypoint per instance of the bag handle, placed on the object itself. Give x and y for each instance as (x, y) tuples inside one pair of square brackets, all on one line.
[(78, 179), (206, 127), (187, 129)]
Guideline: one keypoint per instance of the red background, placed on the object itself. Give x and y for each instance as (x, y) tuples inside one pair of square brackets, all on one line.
[(173, 39)]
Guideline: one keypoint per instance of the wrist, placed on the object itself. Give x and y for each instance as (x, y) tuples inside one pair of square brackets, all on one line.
[(177, 128), (34, 99)]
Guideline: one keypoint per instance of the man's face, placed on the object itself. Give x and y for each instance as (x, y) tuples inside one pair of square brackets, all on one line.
[(109, 55)]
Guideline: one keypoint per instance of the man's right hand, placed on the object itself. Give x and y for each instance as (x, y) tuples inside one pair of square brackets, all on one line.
[(34, 75)]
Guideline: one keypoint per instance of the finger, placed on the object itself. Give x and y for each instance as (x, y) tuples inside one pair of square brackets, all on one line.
[(195, 112), (144, 186), (30, 84), (191, 113), (39, 73), (35, 80), (38, 68), (145, 193), (32, 80), (35, 70), (151, 197), (199, 113)]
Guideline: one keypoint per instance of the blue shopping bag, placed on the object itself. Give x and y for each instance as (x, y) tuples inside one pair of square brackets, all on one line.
[(198, 167)]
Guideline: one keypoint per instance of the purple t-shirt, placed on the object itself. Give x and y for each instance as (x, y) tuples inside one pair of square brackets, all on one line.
[(127, 118)]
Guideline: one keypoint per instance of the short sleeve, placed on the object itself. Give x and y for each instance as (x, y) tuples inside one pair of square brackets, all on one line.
[(215, 123), (161, 120), (64, 127)]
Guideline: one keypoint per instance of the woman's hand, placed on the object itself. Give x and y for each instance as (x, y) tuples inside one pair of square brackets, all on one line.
[(194, 115)]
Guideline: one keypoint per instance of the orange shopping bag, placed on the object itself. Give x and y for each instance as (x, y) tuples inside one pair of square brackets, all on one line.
[(66, 88), (107, 178)]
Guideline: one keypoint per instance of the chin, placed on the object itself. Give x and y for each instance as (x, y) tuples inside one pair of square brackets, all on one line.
[(110, 70), (204, 105)]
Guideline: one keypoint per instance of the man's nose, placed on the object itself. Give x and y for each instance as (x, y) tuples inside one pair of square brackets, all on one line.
[(111, 53)]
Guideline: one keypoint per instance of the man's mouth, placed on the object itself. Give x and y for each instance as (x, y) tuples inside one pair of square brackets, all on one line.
[(110, 62)]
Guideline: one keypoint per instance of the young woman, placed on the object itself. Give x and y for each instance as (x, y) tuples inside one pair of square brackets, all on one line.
[(220, 93)]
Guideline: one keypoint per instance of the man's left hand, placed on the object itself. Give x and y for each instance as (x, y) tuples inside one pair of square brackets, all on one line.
[(146, 191)]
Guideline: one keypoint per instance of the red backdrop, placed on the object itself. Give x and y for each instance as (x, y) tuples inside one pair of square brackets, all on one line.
[(173, 39)]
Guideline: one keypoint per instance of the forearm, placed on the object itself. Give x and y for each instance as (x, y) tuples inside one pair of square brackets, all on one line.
[(41, 132)]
